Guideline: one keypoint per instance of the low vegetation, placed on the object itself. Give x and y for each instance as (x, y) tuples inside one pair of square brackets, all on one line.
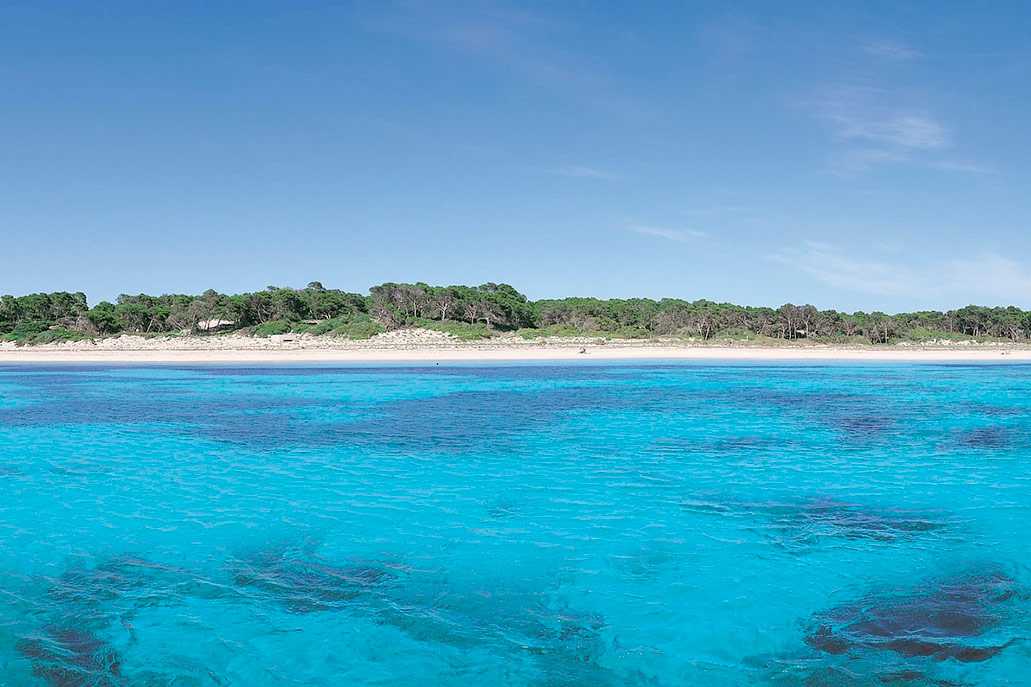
[(478, 312)]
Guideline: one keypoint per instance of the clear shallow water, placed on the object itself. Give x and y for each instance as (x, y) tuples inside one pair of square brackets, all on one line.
[(733, 524)]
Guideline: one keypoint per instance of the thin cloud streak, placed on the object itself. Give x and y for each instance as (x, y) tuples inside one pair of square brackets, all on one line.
[(514, 39), (859, 160), (678, 235), (874, 132), (859, 113), (892, 52), (843, 271), (581, 172), (989, 276), (993, 275)]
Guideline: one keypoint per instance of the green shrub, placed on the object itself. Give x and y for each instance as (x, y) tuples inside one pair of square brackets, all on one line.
[(326, 326), (25, 331), (56, 336), (736, 334), (267, 329), (558, 330), (629, 333), (32, 335), (920, 334)]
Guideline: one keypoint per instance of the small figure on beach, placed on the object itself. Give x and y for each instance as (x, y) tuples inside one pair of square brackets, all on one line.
[(583, 349)]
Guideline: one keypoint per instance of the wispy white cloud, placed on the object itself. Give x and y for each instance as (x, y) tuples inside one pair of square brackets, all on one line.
[(989, 277), (875, 131), (904, 130), (502, 35), (860, 113), (892, 52), (581, 172), (992, 275), (849, 272), (678, 235), (858, 160)]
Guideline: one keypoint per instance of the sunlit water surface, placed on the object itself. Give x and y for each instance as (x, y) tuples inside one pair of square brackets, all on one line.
[(691, 524)]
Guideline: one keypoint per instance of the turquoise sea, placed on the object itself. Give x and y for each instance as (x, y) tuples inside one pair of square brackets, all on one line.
[(581, 524)]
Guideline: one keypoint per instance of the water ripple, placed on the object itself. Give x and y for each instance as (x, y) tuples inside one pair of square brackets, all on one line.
[(626, 524)]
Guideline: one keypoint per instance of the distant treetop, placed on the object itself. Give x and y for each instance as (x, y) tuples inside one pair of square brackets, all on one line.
[(481, 310)]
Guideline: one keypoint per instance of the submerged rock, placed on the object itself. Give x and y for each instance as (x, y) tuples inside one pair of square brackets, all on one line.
[(857, 418), (66, 657), (938, 620), (304, 583), (561, 645), (826, 517), (564, 647), (856, 521), (124, 583), (988, 438)]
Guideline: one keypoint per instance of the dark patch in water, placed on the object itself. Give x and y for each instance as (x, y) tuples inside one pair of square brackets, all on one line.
[(302, 582), (99, 404), (8, 469), (448, 423), (67, 657), (826, 517), (565, 645), (861, 424), (855, 521), (732, 444), (442, 423), (251, 415), (857, 417), (749, 443), (456, 420), (989, 409), (123, 584), (502, 508), (938, 620), (987, 438), (84, 604)]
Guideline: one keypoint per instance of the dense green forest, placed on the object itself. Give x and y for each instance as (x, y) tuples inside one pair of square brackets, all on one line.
[(475, 312)]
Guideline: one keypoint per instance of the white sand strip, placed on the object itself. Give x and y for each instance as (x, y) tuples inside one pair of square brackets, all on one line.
[(501, 353)]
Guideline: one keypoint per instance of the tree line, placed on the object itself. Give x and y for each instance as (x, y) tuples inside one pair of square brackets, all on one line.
[(474, 311)]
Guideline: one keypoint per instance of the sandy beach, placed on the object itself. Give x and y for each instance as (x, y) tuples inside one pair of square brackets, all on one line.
[(429, 346)]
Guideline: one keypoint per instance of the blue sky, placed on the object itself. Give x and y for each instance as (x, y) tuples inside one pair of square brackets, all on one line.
[(849, 155)]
